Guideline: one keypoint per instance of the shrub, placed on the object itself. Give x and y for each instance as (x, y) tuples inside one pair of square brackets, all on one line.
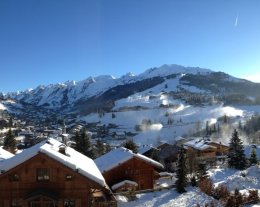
[(193, 181), (253, 195), (206, 186), (221, 192)]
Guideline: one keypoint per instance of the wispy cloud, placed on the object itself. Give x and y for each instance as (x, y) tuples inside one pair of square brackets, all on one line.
[(236, 21)]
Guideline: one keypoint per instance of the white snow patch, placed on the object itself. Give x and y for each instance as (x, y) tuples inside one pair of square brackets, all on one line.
[(2, 107), (232, 179), (5, 154), (124, 182), (169, 198)]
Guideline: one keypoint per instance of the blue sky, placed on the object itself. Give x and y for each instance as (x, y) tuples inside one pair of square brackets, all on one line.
[(50, 41)]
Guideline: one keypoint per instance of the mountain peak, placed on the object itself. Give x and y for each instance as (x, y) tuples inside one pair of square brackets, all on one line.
[(169, 69)]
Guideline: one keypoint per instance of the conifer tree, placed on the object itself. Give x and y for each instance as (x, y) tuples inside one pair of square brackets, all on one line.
[(207, 127), (181, 172), (100, 148), (130, 145), (76, 139), (10, 142), (82, 143), (236, 154), (253, 157), (10, 122)]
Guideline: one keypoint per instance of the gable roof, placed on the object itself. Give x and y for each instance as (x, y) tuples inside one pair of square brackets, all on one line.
[(146, 148), (199, 144), (73, 159), (118, 156)]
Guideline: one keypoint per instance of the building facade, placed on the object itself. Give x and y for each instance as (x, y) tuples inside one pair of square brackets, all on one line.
[(44, 180)]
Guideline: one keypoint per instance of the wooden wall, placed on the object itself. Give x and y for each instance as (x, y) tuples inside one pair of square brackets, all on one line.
[(79, 188), (135, 170)]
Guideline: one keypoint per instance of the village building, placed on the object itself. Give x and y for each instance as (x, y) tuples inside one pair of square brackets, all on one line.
[(52, 174), (120, 135), (168, 154), (148, 151), (122, 168), (204, 149)]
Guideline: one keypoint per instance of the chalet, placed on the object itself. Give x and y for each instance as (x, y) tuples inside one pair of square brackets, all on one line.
[(205, 149), (168, 154), (51, 174), (222, 149), (123, 168), (120, 135), (168, 151), (148, 151)]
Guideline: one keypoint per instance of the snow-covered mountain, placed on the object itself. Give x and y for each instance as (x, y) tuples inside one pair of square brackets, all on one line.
[(99, 94), (70, 92)]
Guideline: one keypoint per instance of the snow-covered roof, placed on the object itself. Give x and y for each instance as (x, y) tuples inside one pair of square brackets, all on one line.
[(120, 184), (5, 154), (144, 149), (120, 133), (118, 156), (165, 174), (65, 135), (199, 144), (20, 138), (73, 159)]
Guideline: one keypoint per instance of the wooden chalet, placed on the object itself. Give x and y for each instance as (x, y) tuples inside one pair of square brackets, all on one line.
[(205, 149), (221, 148), (149, 151), (123, 166), (50, 174)]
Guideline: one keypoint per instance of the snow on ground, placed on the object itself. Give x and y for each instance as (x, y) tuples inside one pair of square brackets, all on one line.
[(249, 109), (168, 198), (166, 181), (184, 116), (254, 205), (232, 179)]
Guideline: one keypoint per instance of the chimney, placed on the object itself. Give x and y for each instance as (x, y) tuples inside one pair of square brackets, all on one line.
[(62, 149)]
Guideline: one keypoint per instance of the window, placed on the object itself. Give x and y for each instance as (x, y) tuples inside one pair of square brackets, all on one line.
[(16, 203), (43, 174), (69, 203), (14, 177), (69, 177)]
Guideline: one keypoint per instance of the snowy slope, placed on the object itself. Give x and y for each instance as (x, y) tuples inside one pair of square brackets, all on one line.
[(149, 107), (232, 179), (2, 107), (169, 198)]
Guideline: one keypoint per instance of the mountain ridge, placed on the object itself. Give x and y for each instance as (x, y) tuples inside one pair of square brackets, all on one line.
[(94, 86), (99, 94)]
